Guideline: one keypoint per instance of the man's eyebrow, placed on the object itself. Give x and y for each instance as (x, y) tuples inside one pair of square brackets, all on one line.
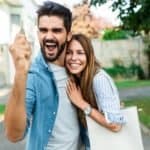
[(57, 29), (42, 28)]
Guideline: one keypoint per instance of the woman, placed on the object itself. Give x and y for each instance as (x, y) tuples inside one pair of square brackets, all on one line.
[(90, 88)]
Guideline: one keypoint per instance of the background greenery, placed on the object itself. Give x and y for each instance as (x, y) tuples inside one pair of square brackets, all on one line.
[(126, 84), (2, 108), (115, 34), (134, 16), (142, 103)]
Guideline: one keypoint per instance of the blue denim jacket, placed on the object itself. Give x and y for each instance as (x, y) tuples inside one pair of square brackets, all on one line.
[(41, 104)]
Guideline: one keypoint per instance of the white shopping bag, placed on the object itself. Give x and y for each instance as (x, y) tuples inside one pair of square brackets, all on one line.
[(129, 138)]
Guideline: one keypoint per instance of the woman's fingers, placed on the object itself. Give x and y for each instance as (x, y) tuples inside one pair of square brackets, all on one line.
[(71, 85)]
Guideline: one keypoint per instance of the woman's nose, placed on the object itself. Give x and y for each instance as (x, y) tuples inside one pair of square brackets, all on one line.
[(74, 56)]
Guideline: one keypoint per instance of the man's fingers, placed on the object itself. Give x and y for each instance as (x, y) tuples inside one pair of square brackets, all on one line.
[(20, 39), (19, 47)]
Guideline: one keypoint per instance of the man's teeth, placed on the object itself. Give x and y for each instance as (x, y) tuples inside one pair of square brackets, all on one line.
[(50, 45)]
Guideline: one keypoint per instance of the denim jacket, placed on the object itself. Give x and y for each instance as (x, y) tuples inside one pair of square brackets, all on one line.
[(41, 104)]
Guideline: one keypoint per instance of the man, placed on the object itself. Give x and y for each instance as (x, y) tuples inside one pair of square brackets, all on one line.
[(38, 102)]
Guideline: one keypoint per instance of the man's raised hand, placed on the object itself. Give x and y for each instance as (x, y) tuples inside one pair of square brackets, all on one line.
[(20, 50)]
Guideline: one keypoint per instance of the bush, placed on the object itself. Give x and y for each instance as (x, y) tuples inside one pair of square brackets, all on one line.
[(115, 34), (126, 72)]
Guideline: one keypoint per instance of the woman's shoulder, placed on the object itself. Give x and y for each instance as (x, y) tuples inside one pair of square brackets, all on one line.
[(101, 73)]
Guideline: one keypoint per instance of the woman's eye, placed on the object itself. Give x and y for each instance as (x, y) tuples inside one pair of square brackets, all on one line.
[(81, 52), (67, 52)]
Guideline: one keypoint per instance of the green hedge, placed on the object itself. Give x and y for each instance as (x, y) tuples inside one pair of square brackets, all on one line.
[(126, 72)]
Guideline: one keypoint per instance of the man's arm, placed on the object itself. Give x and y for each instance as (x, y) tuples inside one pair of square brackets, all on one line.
[(15, 114)]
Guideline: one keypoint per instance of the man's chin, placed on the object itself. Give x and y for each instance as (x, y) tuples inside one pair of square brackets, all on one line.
[(51, 59)]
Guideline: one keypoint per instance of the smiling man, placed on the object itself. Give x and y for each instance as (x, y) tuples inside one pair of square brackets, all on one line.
[(38, 104)]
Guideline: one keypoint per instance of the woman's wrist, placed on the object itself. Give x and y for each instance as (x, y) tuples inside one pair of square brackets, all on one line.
[(83, 105)]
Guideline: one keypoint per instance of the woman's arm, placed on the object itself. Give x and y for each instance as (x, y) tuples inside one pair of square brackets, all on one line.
[(76, 98), (107, 97)]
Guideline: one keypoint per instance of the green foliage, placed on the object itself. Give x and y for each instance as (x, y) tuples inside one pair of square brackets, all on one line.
[(2, 108), (136, 70), (97, 2), (115, 34), (126, 84), (120, 71), (134, 14), (143, 105)]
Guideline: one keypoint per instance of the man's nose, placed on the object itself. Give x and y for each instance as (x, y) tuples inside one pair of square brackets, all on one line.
[(49, 35)]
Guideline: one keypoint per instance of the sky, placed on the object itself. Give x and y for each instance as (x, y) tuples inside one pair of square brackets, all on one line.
[(103, 11)]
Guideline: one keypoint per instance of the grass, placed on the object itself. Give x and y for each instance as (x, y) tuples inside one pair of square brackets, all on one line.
[(143, 105), (2, 109), (132, 83)]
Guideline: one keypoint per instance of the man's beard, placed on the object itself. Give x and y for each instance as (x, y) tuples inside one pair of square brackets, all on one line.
[(60, 49)]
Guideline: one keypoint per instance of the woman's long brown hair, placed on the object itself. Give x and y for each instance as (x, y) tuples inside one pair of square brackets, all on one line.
[(86, 79)]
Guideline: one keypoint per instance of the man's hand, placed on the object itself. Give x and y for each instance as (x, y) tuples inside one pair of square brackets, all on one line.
[(21, 53)]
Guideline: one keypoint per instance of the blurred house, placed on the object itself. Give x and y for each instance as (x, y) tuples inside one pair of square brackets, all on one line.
[(10, 14), (14, 14)]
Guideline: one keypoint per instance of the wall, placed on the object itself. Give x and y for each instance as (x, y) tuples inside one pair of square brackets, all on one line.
[(124, 50), (105, 51)]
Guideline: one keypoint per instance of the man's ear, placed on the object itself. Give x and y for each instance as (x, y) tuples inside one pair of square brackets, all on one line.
[(69, 36)]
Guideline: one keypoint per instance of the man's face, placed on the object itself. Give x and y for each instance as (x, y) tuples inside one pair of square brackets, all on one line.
[(52, 37)]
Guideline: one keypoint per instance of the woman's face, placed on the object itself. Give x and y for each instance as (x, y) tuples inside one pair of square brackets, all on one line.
[(75, 58)]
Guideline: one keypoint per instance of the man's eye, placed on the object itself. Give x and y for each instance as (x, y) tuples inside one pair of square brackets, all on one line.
[(43, 30), (57, 30)]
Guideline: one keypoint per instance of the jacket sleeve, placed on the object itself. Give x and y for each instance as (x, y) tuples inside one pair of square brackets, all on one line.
[(30, 98)]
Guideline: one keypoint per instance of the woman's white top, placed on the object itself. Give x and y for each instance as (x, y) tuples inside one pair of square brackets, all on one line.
[(107, 97)]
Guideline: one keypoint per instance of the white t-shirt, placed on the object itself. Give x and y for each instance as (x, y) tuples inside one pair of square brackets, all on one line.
[(65, 134)]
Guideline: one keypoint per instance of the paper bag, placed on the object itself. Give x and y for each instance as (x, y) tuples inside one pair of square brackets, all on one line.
[(129, 138)]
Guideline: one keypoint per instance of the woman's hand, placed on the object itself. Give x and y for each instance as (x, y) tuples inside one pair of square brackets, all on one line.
[(76, 98), (75, 94), (114, 127)]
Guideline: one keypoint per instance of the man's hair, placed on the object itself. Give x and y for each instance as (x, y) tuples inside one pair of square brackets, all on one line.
[(50, 8)]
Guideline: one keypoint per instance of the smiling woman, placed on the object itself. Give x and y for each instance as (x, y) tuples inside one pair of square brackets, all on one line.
[(90, 88)]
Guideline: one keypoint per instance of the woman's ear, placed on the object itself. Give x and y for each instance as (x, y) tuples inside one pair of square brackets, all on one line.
[(69, 36)]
